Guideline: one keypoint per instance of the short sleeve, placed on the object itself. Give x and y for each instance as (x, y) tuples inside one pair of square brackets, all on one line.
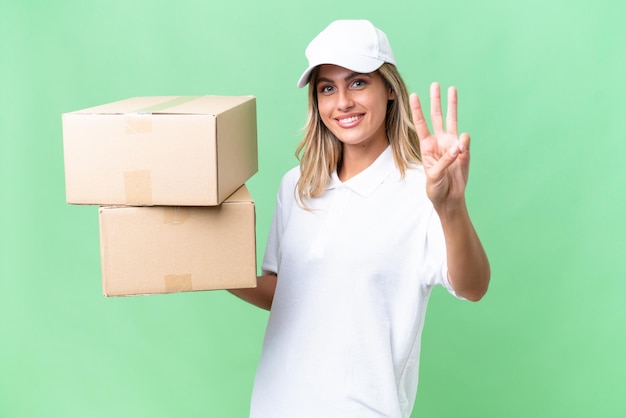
[(285, 199), (270, 260), (435, 255)]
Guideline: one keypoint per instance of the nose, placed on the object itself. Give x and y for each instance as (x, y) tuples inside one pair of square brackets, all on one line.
[(344, 100)]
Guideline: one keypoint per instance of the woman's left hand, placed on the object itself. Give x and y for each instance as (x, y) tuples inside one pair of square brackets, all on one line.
[(445, 154)]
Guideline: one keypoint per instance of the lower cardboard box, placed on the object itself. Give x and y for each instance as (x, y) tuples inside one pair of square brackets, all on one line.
[(168, 249)]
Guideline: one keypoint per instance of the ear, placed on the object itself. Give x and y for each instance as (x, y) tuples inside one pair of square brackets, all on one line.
[(391, 95)]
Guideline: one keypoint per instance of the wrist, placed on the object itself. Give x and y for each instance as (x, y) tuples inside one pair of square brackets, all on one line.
[(451, 210)]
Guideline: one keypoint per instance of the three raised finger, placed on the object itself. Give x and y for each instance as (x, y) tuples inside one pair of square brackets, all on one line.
[(436, 114)]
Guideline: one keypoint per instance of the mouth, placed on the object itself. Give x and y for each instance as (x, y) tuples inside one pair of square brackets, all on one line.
[(349, 120)]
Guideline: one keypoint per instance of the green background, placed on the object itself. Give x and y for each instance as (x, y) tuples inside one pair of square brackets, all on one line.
[(541, 88)]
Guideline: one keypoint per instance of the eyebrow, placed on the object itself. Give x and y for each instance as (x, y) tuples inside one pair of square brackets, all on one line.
[(346, 78)]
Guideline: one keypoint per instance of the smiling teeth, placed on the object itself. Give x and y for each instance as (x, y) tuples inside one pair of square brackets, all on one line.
[(350, 119)]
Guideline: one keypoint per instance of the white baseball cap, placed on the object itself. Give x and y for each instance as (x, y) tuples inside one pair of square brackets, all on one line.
[(353, 44)]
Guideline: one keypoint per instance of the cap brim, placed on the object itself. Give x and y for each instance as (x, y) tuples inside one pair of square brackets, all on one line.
[(360, 64), (304, 78)]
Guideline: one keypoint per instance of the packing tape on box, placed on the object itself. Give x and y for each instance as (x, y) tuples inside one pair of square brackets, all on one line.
[(140, 121), (178, 283), (138, 187), (167, 104), (176, 215)]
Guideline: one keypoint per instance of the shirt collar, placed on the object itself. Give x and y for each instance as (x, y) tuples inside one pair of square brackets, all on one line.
[(368, 180)]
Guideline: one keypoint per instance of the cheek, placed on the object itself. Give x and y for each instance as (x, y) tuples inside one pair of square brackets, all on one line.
[(379, 109), (323, 105), (325, 110)]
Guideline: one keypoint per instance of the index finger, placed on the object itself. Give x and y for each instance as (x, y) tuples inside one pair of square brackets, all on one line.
[(418, 117)]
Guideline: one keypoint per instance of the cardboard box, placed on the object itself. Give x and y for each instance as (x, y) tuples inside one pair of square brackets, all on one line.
[(149, 151), (166, 249)]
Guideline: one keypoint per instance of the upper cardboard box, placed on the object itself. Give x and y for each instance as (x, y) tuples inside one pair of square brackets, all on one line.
[(166, 150)]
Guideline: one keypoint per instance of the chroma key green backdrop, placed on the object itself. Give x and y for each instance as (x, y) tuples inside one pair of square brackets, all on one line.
[(541, 90)]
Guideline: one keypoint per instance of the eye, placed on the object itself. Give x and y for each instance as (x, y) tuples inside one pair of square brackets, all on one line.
[(326, 89), (358, 83)]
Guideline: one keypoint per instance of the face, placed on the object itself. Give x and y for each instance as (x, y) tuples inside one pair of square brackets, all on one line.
[(353, 106)]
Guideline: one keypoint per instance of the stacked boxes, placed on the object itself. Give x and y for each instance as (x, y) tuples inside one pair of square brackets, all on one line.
[(169, 176)]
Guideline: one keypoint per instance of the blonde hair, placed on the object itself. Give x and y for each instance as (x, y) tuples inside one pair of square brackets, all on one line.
[(320, 151)]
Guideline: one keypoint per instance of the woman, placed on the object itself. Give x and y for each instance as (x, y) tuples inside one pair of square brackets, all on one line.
[(370, 221)]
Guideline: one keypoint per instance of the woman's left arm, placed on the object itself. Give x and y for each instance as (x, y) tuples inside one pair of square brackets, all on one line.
[(468, 266), (446, 157)]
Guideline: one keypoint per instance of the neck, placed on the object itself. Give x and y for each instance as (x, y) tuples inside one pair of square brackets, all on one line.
[(356, 158)]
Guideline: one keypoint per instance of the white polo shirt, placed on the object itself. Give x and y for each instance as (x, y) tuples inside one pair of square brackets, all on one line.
[(354, 276)]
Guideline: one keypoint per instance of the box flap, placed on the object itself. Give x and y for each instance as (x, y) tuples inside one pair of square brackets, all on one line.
[(205, 105), (209, 105)]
